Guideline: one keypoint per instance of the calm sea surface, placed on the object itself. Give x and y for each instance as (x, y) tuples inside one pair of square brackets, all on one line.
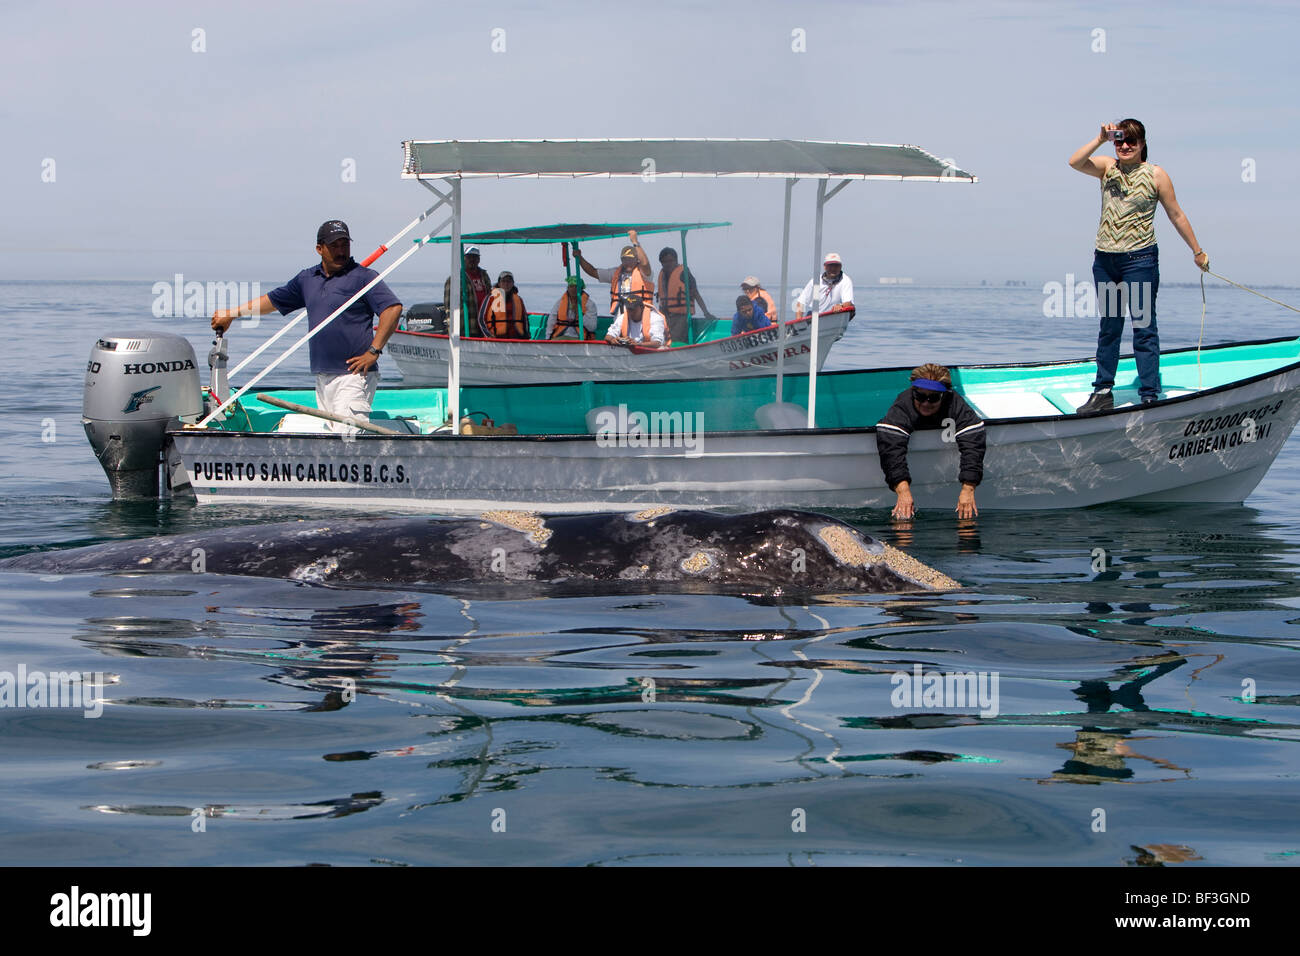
[(1148, 712)]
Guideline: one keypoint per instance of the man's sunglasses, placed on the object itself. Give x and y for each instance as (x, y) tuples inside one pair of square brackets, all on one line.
[(926, 397)]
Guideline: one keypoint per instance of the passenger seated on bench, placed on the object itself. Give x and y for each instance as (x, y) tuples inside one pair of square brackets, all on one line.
[(562, 323), (637, 324), (749, 316), (929, 403), (754, 289), (503, 314)]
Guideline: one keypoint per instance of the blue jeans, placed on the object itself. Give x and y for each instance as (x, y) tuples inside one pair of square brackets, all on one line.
[(1128, 282)]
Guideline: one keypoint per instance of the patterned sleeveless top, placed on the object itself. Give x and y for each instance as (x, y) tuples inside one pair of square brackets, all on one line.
[(1128, 209)]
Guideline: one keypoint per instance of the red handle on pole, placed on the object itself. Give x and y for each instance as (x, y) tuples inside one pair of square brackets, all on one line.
[(374, 255)]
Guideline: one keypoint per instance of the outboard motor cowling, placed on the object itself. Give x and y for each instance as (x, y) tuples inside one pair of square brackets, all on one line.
[(137, 385)]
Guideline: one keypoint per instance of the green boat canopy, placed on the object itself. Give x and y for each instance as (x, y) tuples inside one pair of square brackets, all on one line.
[(647, 158), (571, 232)]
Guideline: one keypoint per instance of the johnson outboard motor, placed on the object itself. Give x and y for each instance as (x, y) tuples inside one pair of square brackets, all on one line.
[(137, 385)]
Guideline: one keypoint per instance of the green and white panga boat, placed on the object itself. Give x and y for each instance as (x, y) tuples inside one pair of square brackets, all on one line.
[(804, 440)]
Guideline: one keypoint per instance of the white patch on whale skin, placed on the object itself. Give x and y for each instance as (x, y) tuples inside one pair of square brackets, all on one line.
[(700, 561), (317, 571)]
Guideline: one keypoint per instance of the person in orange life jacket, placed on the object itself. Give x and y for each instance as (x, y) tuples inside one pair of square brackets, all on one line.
[(344, 354), (674, 280), (754, 289), (503, 314), (930, 403), (562, 323), (475, 284), (834, 293), (632, 277), (749, 316), (637, 324)]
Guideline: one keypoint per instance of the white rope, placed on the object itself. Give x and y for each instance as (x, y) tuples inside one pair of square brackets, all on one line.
[(1239, 286)]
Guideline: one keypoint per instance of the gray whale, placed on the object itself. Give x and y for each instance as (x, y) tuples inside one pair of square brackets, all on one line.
[(775, 551)]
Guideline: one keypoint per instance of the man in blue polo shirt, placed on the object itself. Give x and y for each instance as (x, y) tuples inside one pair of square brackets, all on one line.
[(345, 354)]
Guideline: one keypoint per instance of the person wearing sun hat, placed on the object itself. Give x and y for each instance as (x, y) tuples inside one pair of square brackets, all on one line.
[(754, 289), (929, 403), (834, 291)]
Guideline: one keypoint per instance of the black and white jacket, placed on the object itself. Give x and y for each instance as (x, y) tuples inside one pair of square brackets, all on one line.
[(894, 431)]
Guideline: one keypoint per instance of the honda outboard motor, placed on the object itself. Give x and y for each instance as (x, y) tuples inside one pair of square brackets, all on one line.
[(137, 385)]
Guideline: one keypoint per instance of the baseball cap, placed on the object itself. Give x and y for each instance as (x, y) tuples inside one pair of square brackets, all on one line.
[(832, 257), (331, 230), (628, 251), (751, 281), (472, 251)]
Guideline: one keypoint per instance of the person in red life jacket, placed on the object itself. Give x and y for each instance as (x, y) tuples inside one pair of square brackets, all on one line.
[(674, 281), (631, 278), (930, 403), (754, 289), (562, 323), (834, 293), (637, 324), (749, 316), (475, 284), (503, 314)]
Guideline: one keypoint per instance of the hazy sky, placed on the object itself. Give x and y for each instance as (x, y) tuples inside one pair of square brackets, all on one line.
[(220, 164)]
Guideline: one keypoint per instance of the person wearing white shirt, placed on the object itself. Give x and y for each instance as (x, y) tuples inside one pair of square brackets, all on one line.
[(638, 324), (834, 290)]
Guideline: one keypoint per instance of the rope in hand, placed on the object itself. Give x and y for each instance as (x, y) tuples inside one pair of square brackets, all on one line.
[(1247, 288)]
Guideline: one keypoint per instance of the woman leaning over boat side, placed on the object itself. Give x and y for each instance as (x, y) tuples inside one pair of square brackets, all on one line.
[(1126, 263)]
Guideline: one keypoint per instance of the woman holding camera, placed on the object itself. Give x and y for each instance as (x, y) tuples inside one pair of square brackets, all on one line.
[(1126, 265)]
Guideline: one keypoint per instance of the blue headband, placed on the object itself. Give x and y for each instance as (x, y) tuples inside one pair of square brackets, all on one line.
[(930, 384)]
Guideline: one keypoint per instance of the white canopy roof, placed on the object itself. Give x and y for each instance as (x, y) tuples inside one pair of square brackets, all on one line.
[(677, 158)]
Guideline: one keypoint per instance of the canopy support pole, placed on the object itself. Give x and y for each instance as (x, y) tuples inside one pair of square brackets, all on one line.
[(686, 271), (457, 264), (823, 197), (785, 304)]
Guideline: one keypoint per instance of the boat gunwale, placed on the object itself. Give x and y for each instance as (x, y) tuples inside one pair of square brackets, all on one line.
[(640, 350), (805, 432)]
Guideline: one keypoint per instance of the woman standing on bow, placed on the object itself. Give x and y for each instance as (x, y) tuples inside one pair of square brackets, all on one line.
[(1126, 265)]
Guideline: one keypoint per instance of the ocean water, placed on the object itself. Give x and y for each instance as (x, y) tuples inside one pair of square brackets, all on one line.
[(1147, 710)]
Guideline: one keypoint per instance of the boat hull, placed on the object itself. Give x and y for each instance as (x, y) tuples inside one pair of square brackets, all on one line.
[(1211, 446), (422, 357)]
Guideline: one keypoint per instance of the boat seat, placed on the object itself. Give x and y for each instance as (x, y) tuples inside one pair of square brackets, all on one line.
[(776, 415)]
